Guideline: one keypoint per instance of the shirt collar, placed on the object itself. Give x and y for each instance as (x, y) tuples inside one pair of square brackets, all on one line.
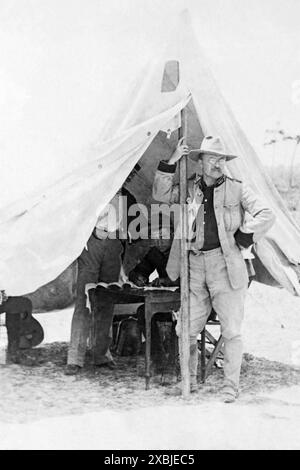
[(200, 182)]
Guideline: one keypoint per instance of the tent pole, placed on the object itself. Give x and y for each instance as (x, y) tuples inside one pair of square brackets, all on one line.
[(184, 338)]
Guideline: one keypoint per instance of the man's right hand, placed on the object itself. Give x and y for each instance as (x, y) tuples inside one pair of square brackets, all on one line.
[(164, 282), (137, 278), (181, 150)]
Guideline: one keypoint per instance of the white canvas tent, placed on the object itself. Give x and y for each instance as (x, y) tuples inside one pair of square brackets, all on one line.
[(43, 234)]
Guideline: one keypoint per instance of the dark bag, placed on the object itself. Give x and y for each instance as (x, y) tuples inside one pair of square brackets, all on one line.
[(126, 336)]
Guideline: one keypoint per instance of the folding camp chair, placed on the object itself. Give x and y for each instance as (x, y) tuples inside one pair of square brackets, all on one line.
[(213, 355)]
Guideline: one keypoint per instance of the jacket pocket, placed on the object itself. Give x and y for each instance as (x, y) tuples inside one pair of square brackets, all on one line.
[(232, 216), (237, 270)]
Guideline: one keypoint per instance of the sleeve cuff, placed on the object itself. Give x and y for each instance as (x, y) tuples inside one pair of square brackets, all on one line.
[(166, 168), (243, 239)]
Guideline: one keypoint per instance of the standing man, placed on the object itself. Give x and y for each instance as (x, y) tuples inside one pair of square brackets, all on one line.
[(100, 261), (219, 230)]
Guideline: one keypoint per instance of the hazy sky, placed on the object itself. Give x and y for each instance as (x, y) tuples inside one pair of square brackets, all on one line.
[(64, 63)]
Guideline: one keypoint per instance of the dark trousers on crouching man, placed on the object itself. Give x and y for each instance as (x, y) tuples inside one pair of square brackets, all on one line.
[(99, 262), (14, 307)]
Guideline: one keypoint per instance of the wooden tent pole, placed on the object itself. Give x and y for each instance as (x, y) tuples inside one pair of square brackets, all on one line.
[(184, 338)]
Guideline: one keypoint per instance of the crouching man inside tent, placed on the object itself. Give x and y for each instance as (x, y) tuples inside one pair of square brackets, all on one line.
[(15, 308), (100, 261), (218, 233)]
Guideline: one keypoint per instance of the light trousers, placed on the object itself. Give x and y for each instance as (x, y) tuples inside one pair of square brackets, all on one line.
[(210, 287)]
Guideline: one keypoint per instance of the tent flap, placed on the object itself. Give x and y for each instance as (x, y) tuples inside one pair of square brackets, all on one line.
[(42, 235)]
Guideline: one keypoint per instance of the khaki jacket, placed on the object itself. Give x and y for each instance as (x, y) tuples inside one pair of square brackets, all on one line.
[(236, 207)]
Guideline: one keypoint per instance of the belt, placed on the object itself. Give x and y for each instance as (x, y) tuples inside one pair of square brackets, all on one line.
[(196, 252)]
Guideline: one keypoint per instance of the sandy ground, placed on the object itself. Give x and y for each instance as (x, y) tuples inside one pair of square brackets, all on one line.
[(41, 408)]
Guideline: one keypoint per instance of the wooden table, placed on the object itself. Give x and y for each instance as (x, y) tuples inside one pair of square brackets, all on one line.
[(157, 300)]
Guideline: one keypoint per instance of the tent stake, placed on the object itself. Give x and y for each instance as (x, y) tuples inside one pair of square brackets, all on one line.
[(184, 339)]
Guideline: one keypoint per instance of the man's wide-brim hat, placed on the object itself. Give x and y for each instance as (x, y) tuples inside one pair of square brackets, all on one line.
[(211, 146)]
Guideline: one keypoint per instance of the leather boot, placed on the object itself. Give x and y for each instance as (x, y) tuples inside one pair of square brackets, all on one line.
[(13, 352)]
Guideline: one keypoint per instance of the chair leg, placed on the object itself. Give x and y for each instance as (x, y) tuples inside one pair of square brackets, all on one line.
[(213, 357), (210, 338)]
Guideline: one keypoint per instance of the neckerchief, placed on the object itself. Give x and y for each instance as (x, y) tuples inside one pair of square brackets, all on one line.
[(201, 183)]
